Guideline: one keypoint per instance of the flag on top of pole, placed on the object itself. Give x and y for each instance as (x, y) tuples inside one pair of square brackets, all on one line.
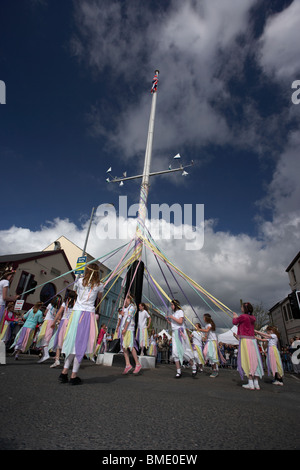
[(154, 83)]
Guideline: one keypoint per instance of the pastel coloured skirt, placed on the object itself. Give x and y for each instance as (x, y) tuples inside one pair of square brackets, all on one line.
[(2, 311), (24, 339), (142, 337), (212, 353), (56, 342), (129, 341), (81, 335), (152, 350), (5, 334), (181, 346), (198, 354), (45, 334), (249, 359), (274, 362)]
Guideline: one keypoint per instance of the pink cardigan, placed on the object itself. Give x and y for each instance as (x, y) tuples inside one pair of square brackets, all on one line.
[(245, 324)]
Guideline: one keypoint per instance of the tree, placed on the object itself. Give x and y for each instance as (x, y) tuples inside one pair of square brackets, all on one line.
[(261, 315)]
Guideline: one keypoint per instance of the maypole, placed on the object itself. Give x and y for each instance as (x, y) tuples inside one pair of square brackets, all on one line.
[(145, 185), (134, 281)]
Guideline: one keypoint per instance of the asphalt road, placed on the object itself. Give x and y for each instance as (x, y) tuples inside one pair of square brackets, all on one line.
[(154, 411)]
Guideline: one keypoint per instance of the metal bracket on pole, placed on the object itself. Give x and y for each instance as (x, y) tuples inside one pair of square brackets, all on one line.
[(126, 178)]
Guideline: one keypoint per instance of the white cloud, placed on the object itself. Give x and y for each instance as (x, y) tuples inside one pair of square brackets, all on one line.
[(284, 190), (279, 51), (186, 43)]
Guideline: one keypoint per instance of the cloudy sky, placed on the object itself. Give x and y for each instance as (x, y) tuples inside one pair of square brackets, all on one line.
[(78, 76)]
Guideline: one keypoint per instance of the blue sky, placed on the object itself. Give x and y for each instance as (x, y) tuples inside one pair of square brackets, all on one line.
[(78, 78)]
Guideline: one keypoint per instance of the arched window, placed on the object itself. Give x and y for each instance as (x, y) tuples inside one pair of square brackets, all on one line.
[(47, 293)]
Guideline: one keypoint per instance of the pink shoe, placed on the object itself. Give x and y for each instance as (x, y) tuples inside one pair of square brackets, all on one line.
[(137, 369), (127, 370)]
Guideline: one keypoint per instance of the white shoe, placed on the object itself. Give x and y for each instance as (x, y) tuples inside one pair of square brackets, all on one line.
[(248, 387), (44, 358), (55, 364)]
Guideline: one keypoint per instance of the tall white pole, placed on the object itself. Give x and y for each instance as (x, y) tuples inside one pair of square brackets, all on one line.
[(146, 174)]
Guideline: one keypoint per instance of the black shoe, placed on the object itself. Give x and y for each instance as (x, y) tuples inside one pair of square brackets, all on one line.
[(75, 381), (194, 373), (63, 378), (177, 376)]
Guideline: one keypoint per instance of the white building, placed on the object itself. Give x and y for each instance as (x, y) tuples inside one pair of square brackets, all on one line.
[(286, 313)]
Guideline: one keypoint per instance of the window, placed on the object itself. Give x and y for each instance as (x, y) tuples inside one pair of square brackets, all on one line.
[(285, 314), (47, 293), (22, 283)]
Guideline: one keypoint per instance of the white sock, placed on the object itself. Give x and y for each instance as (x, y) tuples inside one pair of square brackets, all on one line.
[(178, 371), (76, 365), (250, 383)]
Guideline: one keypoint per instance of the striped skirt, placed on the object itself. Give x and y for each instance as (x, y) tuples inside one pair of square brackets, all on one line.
[(181, 346), (249, 359), (198, 354), (274, 362), (81, 335), (24, 339), (5, 334), (57, 339), (129, 341), (212, 352), (45, 334), (152, 351), (142, 337), (2, 311)]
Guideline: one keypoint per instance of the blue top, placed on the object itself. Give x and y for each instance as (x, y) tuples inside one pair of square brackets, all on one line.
[(32, 319)]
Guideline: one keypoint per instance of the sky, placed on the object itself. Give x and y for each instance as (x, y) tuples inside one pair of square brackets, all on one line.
[(78, 75)]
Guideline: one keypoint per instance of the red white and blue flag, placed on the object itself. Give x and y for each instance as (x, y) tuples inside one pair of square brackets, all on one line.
[(154, 84)]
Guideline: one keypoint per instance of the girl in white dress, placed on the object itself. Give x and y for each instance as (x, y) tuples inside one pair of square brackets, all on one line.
[(82, 331), (62, 317), (46, 331), (211, 350), (274, 362), (129, 342), (144, 322), (181, 346), (197, 345)]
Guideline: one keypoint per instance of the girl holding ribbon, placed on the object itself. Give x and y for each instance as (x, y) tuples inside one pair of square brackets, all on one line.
[(181, 346), (82, 330)]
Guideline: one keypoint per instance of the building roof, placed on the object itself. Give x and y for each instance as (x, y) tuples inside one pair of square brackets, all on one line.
[(23, 257), (293, 262)]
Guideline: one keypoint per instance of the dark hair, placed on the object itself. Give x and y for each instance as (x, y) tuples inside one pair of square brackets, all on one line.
[(71, 298), (56, 301), (37, 306), (247, 308), (144, 306), (176, 304), (7, 274), (208, 319), (274, 329)]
